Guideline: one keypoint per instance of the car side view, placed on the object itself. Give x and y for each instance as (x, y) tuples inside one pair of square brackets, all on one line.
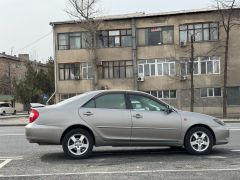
[(6, 108), (122, 118)]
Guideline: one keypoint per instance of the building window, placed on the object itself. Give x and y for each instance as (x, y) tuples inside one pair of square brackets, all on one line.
[(63, 97), (72, 71), (156, 67), (155, 36), (76, 40), (163, 94), (117, 69), (115, 38), (202, 65), (87, 71), (63, 42), (233, 96), (69, 71), (200, 31), (210, 92)]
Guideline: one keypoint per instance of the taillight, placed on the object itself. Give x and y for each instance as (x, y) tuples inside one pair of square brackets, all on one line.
[(33, 115)]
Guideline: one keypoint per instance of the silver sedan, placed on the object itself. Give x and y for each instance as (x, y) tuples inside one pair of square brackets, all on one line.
[(122, 118)]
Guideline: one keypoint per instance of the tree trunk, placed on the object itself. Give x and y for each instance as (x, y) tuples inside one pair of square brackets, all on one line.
[(225, 75), (191, 71)]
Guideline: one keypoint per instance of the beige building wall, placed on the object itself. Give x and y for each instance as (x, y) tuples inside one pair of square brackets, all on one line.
[(208, 106)]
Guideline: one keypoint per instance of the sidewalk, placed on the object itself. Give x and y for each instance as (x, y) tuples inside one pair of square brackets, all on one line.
[(23, 121)]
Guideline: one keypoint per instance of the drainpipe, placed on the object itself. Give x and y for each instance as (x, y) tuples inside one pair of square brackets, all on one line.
[(134, 54), (55, 65)]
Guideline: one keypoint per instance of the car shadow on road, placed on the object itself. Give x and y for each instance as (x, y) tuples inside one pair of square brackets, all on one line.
[(123, 156)]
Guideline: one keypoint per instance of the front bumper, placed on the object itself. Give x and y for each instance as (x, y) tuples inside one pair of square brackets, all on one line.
[(43, 134), (222, 135)]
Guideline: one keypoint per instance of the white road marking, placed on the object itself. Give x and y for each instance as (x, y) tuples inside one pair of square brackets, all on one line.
[(5, 162), (121, 172), (12, 134), (235, 150), (216, 157), (11, 157)]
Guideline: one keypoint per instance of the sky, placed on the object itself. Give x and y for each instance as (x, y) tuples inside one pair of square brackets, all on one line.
[(24, 24)]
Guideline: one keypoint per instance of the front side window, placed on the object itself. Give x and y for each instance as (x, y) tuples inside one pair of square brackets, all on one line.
[(144, 103), (200, 32), (155, 35), (111, 101)]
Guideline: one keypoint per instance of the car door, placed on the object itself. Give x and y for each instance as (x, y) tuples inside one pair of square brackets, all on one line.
[(108, 115), (151, 121)]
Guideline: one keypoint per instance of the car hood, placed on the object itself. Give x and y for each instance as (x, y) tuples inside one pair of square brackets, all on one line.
[(195, 116)]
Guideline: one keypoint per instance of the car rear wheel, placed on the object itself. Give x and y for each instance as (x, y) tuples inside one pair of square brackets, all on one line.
[(77, 144), (3, 113), (199, 141)]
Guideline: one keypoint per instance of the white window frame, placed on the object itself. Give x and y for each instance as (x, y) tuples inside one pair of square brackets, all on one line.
[(162, 97), (213, 89), (156, 63)]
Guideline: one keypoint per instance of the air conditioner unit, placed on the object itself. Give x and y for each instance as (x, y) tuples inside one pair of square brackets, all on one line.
[(140, 77), (77, 77), (183, 44), (183, 78)]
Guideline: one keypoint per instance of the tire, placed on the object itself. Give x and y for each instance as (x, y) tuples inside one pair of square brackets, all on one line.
[(199, 141), (3, 113), (77, 144), (14, 112)]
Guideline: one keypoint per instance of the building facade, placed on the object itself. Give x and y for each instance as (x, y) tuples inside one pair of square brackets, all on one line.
[(158, 46), (13, 68)]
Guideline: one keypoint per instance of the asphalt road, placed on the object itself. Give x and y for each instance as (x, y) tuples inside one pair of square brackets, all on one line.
[(22, 160)]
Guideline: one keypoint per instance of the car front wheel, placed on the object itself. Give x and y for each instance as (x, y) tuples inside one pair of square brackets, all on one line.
[(77, 144), (199, 141)]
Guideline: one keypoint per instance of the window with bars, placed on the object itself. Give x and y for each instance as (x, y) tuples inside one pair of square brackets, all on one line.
[(200, 31), (117, 69)]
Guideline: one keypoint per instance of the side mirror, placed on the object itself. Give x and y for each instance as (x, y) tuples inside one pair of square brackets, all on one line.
[(169, 110)]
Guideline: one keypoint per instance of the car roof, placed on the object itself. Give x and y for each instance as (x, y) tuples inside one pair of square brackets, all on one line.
[(4, 103)]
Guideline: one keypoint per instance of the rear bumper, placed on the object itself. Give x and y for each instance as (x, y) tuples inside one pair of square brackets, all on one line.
[(42, 134), (222, 135)]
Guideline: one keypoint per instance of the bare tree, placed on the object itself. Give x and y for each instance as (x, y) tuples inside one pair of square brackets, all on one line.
[(228, 18), (85, 12)]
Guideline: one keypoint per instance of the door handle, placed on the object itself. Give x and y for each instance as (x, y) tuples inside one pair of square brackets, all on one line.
[(138, 116), (88, 114)]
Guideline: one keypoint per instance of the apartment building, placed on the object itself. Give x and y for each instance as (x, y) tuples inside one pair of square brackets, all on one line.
[(13, 67), (157, 48)]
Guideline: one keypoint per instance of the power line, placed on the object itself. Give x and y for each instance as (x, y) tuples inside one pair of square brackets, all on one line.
[(34, 42)]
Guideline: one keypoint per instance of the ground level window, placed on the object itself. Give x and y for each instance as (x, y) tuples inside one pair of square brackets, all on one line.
[(210, 92), (233, 96), (163, 94)]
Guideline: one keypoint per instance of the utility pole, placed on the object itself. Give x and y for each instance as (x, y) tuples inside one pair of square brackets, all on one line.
[(192, 72)]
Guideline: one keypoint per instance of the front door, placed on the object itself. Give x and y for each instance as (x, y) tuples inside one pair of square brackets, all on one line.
[(151, 122)]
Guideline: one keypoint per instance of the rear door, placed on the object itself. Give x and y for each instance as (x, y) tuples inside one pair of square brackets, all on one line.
[(151, 122), (108, 115)]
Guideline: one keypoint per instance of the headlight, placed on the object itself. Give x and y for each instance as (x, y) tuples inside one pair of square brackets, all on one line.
[(219, 122)]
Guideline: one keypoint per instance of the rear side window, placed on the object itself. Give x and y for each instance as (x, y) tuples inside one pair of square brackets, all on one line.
[(108, 101), (111, 101)]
